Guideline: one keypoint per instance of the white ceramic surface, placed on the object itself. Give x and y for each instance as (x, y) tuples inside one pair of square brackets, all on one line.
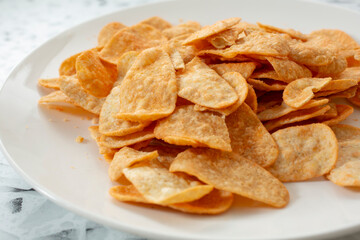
[(41, 146)]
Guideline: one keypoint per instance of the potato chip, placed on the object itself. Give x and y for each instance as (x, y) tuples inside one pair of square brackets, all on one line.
[(305, 152), (288, 70), (182, 29), (92, 74), (106, 151), (175, 57), (109, 124), (108, 31), (124, 64), (343, 112), (67, 67), (189, 127), (187, 52), (350, 73), (338, 65), (356, 98), (127, 157), (338, 37), (329, 114), (244, 68), (167, 154), (210, 30), (291, 32), (283, 109), (301, 91), (296, 116), (157, 22), (215, 202), (158, 185), (233, 173), (339, 85), (251, 98), (53, 83), (127, 140), (55, 97), (202, 85), (71, 87), (348, 151), (266, 85), (348, 93), (224, 38), (149, 90), (265, 73), (135, 38), (347, 175), (345, 132), (249, 137)]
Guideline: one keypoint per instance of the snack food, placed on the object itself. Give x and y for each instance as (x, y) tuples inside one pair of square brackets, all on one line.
[(190, 115)]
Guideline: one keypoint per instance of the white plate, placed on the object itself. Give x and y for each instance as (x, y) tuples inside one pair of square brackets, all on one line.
[(71, 174)]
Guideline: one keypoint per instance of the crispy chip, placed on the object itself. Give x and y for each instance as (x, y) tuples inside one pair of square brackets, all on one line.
[(283, 109), (356, 98), (175, 57), (348, 151), (338, 37), (250, 138), (71, 87), (158, 185), (301, 91), (266, 85), (343, 112), (288, 70), (339, 85), (210, 30), (244, 68), (345, 132), (265, 73), (233, 173), (109, 124), (202, 85), (93, 75), (124, 64), (96, 135), (119, 142), (251, 98), (167, 154), (224, 38), (269, 100), (329, 114), (127, 157), (338, 65), (108, 31), (135, 38), (215, 202), (296, 116), (305, 152), (189, 127), (181, 29), (53, 83), (347, 175), (291, 32), (350, 73), (187, 52), (157, 22), (67, 67), (55, 97), (149, 90)]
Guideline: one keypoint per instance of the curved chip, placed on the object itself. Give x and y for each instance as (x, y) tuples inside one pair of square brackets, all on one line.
[(224, 38), (244, 68), (106, 151), (55, 97), (124, 64), (189, 127), (201, 85), (305, 152), (157, 22), (338, 37), (343, 112), (339, 85), (250, 138), (149, 90), (345, 132), (108, 31), (350, 73), (67, 67), (347, 175), (158, 185), (338, 65), (181, 29), (251, 98), (301, 91), (233, 173), (266, 85), (53, 83), (291, 32)]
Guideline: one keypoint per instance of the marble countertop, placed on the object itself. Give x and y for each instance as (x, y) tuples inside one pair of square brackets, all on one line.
[(25, 25)]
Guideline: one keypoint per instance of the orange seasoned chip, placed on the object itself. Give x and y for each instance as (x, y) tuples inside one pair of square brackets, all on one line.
[(108, 31), (175, 57), (135, 38), (356, 98), (71, 87), (266, 84), (338, 37), (338, 65), (55, 97), (124, 64), (157, 22), (233, 173), (210, 30), (166, 153), (244, 68), (189, 127), (343, 111), (249, 137), (53, 83), (345, 132), (93, 75), (202, 85), (305, 152), (126, 157), (251, 98), (350, 73), (187, 52), (106, 151), (347, 175), (224, 38), (288, 70), (301, 91), (149, 90), (291, 32), (339, 85), (67, 67), (296, 116), (182, 29), (157, 185)]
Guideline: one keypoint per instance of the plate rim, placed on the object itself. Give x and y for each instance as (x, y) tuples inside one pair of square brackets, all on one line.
[(68, 205)]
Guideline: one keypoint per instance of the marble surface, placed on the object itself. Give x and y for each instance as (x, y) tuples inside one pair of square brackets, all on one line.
[(24, 25)]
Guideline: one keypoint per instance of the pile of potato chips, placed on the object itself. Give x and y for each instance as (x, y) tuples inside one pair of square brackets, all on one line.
[(190, 115)]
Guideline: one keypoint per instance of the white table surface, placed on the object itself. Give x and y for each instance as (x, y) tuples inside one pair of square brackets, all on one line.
[(25, 25)]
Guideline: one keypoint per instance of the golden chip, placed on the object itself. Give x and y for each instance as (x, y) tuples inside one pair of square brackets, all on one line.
[(189, 127), (55, 97), (71, 87), (337, 66), (305, 152), (291, 32), (201, 85), (356, 98), (149, 90), (266, 85), (181, 29), (224, 38), (249, 137), (108, 31), (339, 85), (167, 154), (157, 22), (265, 73), (67, 67), (301, 91), (338, 37), (251, 98), (158, 185), (127, 157), (124, 64), (187, 52), (244, 68), (347, 175), (343, 112), (53, 83), (350, 73), (106, 151), (233, 173), (345, 132)]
